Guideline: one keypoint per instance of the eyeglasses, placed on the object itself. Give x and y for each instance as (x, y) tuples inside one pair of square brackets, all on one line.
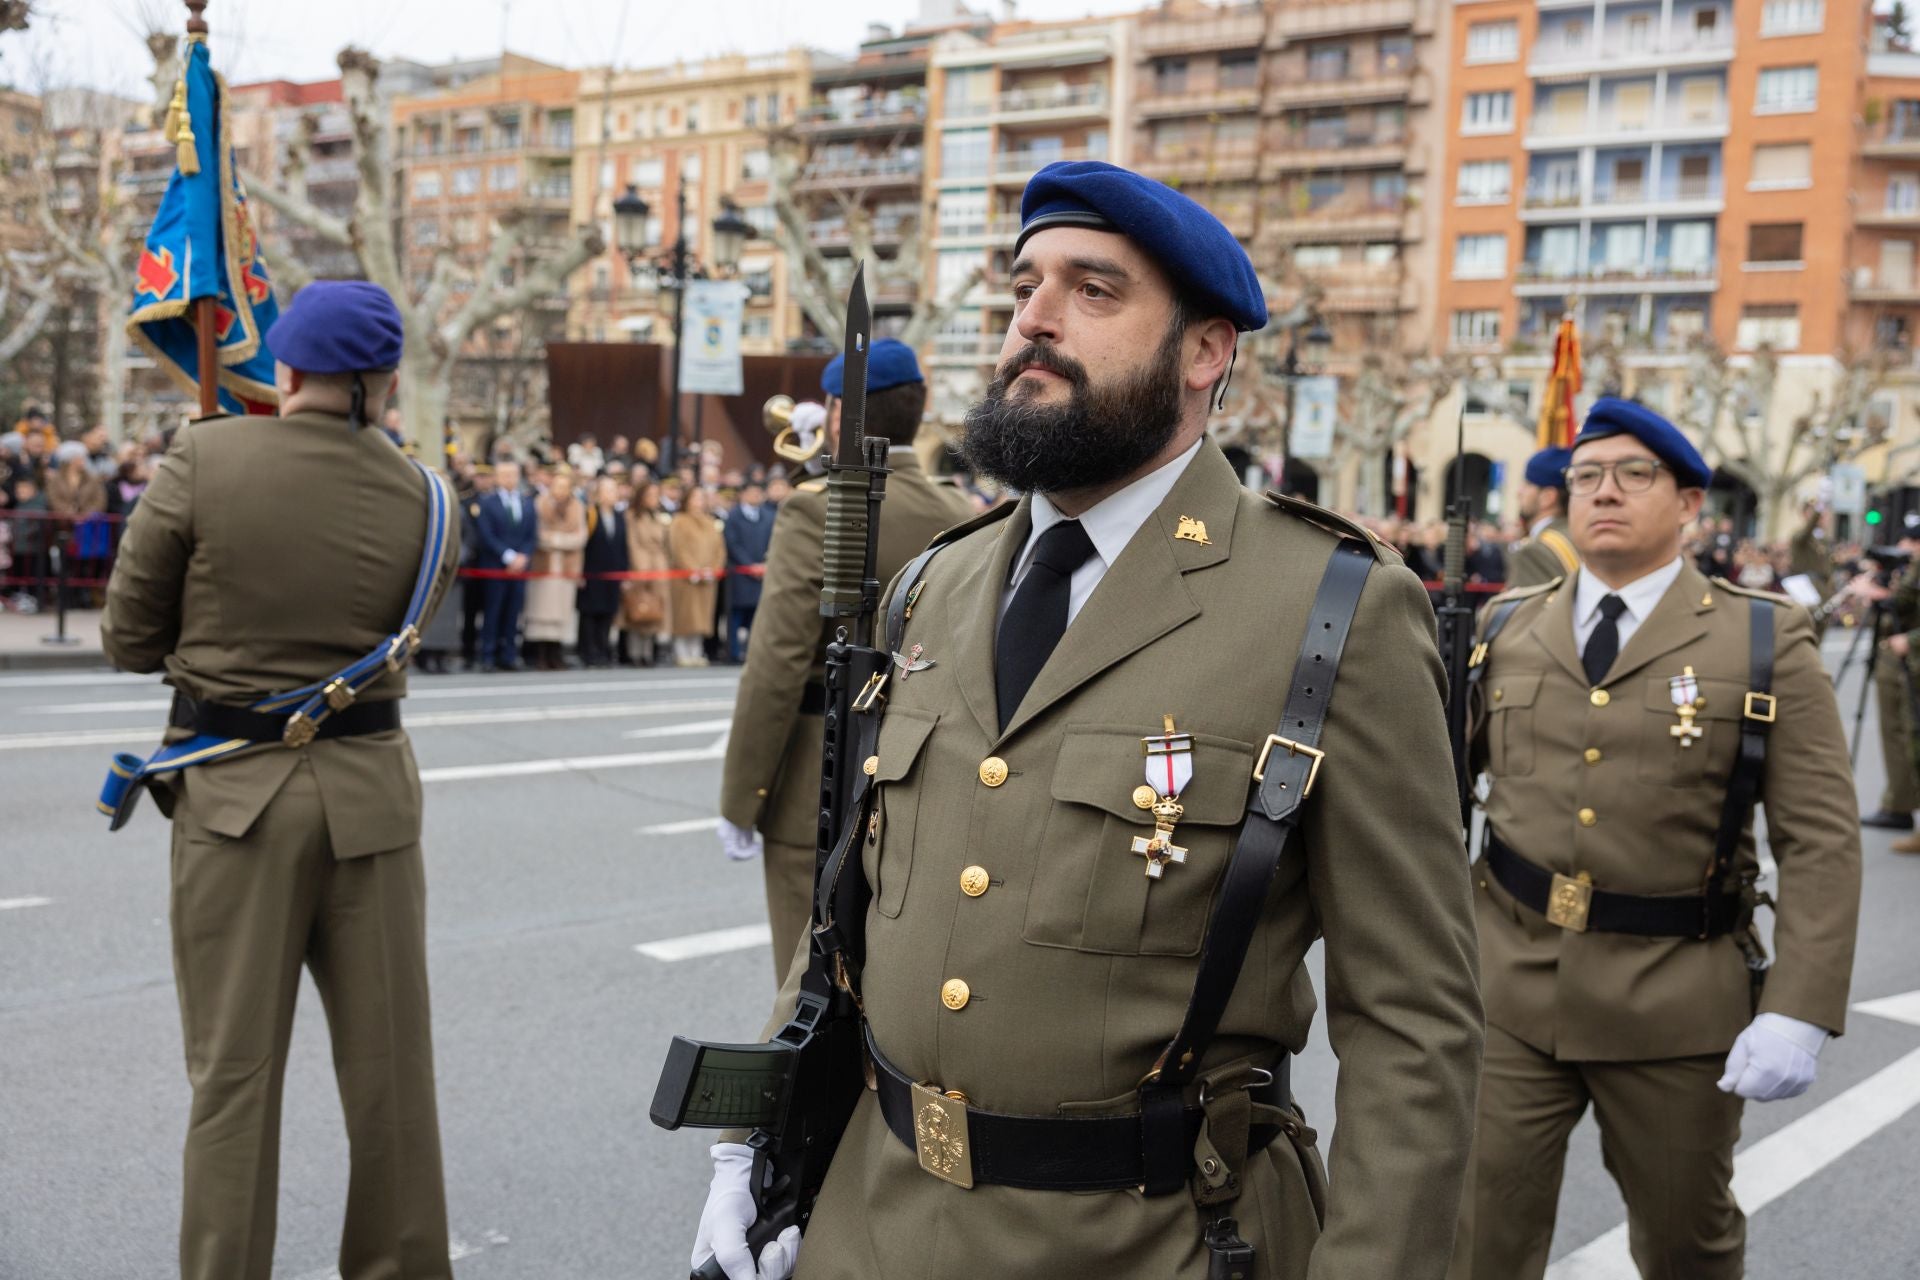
[(1633, 475)]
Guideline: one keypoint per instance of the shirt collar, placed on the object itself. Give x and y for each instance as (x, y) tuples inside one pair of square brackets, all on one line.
[(1640, 595), (1533, 530), (1112, 522)]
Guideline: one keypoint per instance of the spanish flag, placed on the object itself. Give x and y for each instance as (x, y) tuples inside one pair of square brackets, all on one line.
[(1563, 384), (202, 245)]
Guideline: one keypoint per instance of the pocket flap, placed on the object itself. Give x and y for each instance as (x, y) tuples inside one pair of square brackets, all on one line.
[(1517, 689), (1100, 765), (1726, 699), (903, 734)]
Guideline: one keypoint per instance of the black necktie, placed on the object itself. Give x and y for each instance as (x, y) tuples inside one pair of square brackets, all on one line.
[(1603, 646), (1036, 617)]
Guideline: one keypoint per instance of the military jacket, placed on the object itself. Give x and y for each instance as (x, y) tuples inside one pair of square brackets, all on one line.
[(1543, 557), (1596, 781), (1018, 953)]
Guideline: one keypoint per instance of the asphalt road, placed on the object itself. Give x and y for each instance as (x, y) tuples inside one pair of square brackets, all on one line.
[(549, 1025)]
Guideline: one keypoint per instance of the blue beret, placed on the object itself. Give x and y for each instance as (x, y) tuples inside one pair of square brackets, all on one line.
[(890, 363), (1544, 468), (1192, 246), (338, 326), (1611, 416)]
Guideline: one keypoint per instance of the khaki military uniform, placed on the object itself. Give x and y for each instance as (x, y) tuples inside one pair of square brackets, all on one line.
[(1018, 954), (266, 555), (1894, 688), (1543, 557), (772, 776), (1592, 781)]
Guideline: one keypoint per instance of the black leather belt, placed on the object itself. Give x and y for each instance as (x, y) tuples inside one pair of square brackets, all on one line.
[(1687, 916), (813, 699), (224, 721), (1062, 1153)]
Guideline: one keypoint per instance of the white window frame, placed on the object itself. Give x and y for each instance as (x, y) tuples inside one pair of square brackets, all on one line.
[(1499, 41), (1793, 17), (1757, 331), (1481, 193), (1480, 123), (1474, 259), (1475, 327), (426, 185), (1775, 104), (1795, 184)]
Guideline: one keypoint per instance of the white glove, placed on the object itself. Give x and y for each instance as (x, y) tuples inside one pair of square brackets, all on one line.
[(739, 843), (729, 1212), (1774, 1058)]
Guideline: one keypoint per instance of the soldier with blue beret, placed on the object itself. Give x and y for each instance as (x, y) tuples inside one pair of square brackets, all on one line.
[(1547, 550)]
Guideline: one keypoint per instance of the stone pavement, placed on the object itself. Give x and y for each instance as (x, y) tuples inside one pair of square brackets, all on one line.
[(26, 640)]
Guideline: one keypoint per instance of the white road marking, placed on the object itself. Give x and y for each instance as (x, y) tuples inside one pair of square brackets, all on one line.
[(426, 720), (679, 828), (75, 680), (456, 1250), (674, 730), (506, 689), (18, 904), (1784, 1159), (718, 942), (572, 764)]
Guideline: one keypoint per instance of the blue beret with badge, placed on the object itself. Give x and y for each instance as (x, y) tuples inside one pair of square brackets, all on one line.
[(890, 363), (339, 326), (1612, 416), (1194, 248), (1545, 468)]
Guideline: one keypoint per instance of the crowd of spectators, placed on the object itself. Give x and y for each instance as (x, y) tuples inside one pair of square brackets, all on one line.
[(68, 497)]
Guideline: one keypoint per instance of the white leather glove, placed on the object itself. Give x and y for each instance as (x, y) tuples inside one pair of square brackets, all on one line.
[(729, 1212), (1774, 1058), (739, 843)]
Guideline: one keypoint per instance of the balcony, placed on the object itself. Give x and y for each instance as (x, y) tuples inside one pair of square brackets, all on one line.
[(1200, 164), (1895, 139), (1532, 280), (1200, 100), (1032, 106), (1889, 218), (1359, 288), (322, 172), (1373, 149), (1337, 17), (830, 120), (966, 348), (1242, 28), (1619, 53), (890, 67), (833, 233), (1677, 198), (1021, 164), (1340, 221), (860, 172), (1559, 131), (1381, 85), (1896, 287)]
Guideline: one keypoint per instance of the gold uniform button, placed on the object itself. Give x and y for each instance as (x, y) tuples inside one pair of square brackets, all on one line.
[(872, 766), (1588, 817), (1591, 755), (974, 881), (1143, 797), (1499, 694), (993, 772), (954, 994), (1599, 697)]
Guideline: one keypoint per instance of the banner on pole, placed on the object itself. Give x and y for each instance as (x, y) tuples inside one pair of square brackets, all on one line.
[(710, 350), (1314, 403)]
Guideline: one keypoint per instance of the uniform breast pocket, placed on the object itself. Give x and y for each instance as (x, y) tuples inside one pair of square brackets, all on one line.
[(896, 808), (1510, 699), (1090, 889), (1686, 759)]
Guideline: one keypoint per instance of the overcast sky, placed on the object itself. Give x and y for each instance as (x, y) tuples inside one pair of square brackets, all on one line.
[(98, 42)]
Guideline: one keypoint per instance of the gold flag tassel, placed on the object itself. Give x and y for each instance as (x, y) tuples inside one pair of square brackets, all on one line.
[(180, 131)]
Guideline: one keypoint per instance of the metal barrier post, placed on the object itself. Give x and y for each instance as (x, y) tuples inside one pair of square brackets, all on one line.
[(60, 635)]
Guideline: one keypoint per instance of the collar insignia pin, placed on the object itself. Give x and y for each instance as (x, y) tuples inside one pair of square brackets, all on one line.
[(1192, 530)]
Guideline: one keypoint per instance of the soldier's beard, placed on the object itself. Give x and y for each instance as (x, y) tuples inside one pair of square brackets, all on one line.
[(1100, 434)]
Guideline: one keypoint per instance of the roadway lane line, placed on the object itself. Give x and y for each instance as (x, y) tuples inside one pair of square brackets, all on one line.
[(719, 942), (1784, 1159), (20, 904), (688, 827), (572, 764), (72, 681), (509, 690), (674, 730)]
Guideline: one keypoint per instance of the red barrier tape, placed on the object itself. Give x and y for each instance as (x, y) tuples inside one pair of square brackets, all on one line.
[(623, 575)]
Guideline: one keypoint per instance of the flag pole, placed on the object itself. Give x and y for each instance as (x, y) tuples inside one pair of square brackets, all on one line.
[(203, 319)]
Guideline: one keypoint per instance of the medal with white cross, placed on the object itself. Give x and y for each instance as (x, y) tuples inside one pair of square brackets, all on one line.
[(1685, 691), (1169, 769)]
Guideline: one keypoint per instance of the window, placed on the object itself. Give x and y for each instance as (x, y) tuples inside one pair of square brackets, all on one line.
[(1488, 112), (963, 153), (1903, 193), (1775, 325), (1684, 324), (560, 132), (1792, 17), (693, 117), (466, 182), (1557, 253), (504, 177), (426, 234), (426, 186), (952, 267), (1480, 257), (962, 213), (752, 112), (647, 173), (1170, 76), (1239, 71), (1387, 190), (1774, 242), (754, 165), (1476, 328), (756, 328), (773, 108), (1327, 62), (1485, 181), (1787, 89), (1310, 257), (1781, 165), (1690, 248), (690, 167), (1382, 255), (1493, 41), (1394, 53), (762, 219), (1706, 26), (1623, 245)]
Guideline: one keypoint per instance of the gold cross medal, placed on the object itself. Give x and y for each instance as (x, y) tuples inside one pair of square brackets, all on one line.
[(1685, 691), (1169, 770)]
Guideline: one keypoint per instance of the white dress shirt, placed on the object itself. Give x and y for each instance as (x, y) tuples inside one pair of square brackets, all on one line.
[(1640, 595), (1110, 524)]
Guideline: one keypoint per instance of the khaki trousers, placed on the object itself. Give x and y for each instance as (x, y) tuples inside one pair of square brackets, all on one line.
[(1891, 699), (1667, 1137), (789, 874), (247, 914)]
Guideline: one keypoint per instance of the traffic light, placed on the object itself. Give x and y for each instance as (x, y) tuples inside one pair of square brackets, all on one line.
[(1874, 517)]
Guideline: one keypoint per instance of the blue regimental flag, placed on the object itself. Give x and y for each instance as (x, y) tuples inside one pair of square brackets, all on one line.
[(202, 245)]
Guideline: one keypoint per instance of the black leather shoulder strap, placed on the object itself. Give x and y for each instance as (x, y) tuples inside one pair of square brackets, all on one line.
[(1283, 777), (1750, 765), (901, 602)]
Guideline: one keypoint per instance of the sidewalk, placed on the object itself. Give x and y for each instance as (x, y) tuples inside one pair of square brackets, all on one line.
[(26, 641)]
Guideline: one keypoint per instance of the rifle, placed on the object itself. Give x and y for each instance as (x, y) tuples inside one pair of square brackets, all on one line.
[(1456, 625), (797, 1091)]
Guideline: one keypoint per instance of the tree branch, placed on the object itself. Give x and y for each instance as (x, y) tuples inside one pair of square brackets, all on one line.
[(298, 211)]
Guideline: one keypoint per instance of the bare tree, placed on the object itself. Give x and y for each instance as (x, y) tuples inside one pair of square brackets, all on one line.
[(1391, 395), (455, 304)]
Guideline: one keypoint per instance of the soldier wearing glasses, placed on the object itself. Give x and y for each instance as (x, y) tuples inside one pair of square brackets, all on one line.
[(1628, 717)]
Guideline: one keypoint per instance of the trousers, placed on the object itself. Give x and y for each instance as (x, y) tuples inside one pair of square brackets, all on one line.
[(1894, 703)]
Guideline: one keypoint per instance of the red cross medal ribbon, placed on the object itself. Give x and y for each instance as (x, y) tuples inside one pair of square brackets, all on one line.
[(1169, 768)]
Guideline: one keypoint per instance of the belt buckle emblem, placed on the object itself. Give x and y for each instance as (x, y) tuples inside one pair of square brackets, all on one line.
[(1569, 901), (940, 1138)]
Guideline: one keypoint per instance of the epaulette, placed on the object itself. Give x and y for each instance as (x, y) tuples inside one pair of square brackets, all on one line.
[(1330, 521), (1527, 592), (991, 515), (1755, 592)]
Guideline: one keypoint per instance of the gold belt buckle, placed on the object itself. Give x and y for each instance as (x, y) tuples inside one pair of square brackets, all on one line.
[(1569, 901), (1293, 749), (300, 730), (940, 1137)]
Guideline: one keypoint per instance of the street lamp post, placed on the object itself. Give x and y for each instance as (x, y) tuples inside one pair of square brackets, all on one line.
[(673, 269), (1289, 369)]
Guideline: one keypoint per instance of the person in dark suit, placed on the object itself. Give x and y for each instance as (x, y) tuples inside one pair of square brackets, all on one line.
[(605, 552), (749, 532), (473, 591), (508, 533)]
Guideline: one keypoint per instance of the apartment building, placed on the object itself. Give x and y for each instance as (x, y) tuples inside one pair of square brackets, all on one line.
[(22, 140), (699, 128), (265, 121), (1666, 170)]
